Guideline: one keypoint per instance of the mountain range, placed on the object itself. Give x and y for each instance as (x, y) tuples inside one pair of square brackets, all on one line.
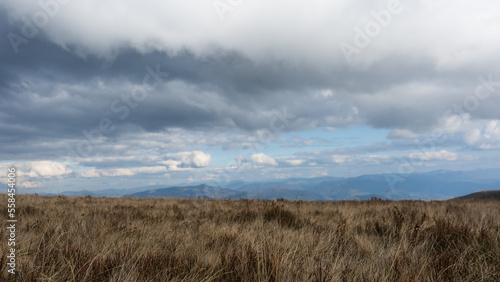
[(437, 185)]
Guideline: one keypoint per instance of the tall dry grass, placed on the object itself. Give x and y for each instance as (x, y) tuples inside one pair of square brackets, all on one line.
[(106, 239)]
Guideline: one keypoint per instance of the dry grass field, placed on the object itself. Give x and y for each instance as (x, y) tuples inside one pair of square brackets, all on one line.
[(106, 239)]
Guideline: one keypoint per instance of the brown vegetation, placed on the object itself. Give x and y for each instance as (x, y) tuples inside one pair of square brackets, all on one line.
[(106, 239)]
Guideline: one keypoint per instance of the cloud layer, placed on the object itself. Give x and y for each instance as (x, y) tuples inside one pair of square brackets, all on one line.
[(93, 89)]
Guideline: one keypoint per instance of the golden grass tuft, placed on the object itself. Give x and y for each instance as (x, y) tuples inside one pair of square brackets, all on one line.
[(110, 239)]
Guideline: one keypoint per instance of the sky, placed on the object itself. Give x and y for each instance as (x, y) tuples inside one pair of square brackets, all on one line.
[(119, 94)]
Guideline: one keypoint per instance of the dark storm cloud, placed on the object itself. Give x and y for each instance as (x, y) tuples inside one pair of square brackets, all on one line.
[(50, 92), (65, 81), (241, 82)]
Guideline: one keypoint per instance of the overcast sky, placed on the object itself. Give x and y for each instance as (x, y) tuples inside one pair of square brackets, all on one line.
[(117, 94)]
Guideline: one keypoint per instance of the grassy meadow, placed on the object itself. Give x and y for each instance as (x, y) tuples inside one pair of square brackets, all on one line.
[(114, 239)]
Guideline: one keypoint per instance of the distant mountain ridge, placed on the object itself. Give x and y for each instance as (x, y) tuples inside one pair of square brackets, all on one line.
[(438, 185), (202, 190), (432, 185)]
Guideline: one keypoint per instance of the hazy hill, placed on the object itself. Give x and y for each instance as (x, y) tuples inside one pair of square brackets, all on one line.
[(483, 195)]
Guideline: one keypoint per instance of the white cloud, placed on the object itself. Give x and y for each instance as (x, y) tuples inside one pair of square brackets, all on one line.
[(31, 184), (209, 176), (438, 155), (173, 165), (122, 171), (479, 133), (442, 155), (149, 169), (293, 162), (91, 173), (45, 169), (261, 159), (29, 172), (117, 172), (109, 159), (187, 160), (339, 159), (487, 137)]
